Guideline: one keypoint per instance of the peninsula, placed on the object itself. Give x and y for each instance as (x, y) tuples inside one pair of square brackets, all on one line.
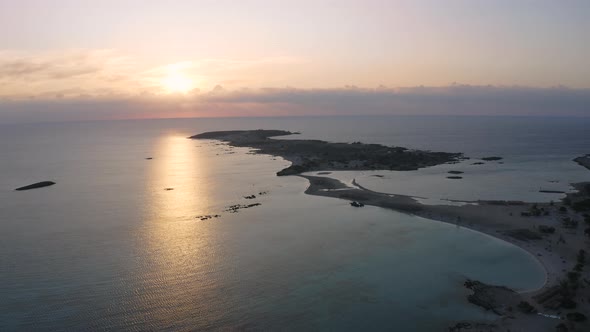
[(553, 233), (316, 155)]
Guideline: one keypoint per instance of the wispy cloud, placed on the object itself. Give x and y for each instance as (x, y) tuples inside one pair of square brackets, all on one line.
[(26, 75)]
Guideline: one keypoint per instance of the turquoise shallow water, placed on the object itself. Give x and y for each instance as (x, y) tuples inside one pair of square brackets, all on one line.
[(109, 248)]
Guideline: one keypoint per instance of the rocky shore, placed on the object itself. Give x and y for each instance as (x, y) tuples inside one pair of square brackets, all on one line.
[(315, 155)]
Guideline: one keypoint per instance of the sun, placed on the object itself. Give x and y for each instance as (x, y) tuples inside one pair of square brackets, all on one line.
[(177, 83)]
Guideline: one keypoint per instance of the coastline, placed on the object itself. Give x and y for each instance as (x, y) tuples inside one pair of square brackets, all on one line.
[(441, 213), (316, 155), (488, 232), (518, 223), (556, 252)]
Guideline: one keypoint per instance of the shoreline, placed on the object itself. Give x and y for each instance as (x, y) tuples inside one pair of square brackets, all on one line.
[(555, 259), (316, 188), (316, 155), (485, 232), (547, 231)]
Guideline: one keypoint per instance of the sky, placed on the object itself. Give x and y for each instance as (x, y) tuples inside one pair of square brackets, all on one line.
[(66, 59)]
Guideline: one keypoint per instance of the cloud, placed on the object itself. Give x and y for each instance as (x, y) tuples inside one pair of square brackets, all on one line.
[(453, 99), (23, 66), (220, 102), (25, 69), (24, 75)]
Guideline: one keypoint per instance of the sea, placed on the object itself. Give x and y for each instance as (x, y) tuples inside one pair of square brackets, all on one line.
[(139, 234)]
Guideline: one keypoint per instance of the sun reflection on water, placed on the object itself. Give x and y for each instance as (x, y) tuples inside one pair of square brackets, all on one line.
[(179, 252), (178, 183)]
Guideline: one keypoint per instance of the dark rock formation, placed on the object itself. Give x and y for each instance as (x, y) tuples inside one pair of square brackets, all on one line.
[(583, 161), (207, 216), (494, 298), (455, 172), (357, 204), (36, 185), (235, 208)]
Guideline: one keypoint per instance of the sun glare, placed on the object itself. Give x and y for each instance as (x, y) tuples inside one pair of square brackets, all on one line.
[(177, 83)]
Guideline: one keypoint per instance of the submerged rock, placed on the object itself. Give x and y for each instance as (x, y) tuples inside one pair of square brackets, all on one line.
[(497, 299), (36, 185), (491, 158), (236, 207), (551, 191), (208, 216)]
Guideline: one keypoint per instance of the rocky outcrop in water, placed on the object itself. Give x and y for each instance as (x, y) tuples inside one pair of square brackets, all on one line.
[(494, 298), (36, 185), (583, 161), (237, 207)]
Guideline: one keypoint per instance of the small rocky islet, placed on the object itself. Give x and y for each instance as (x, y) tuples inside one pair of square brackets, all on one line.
[(36, 185), (455, 172), (494, 158), (236, 207), (583, 161)]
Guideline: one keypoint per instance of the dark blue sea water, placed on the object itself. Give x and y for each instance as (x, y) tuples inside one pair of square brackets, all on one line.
[(108, 248)]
